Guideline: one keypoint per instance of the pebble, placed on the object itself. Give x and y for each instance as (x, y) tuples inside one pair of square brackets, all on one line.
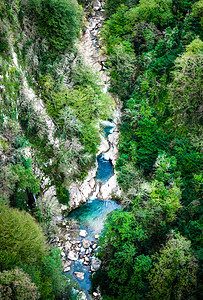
[(79, 275), (83, 233), (86, 244), (72, 255), (67, 269)]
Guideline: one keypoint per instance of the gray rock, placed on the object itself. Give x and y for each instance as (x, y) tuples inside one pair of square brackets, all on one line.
[(95, 264), (72, 255), (68, 246), (96, 5), (86, 244), (95, 294), (63, 254), (79, 275), (66, 264), (67, 269), (83, 233), (94, 246)]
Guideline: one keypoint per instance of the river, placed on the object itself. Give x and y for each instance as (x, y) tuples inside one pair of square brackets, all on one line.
[(91, 216)]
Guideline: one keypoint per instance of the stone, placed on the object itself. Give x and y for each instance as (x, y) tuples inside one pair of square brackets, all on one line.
[(72, 255), (86, 263), (87, 251), (95, 264), (67, 236), (81, 296), (95, 294), (87, 259), (96, 236), (63, 254), (68, 246), (96, 5), (83, 233), (67, 269), (86, 244), (66, 264), (64, 207), (79, 275), (94, 246)]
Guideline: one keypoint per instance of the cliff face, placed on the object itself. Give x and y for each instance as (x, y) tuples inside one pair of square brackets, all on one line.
[(50, 106)]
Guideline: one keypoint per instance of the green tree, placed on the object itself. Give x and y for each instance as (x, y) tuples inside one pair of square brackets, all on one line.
[(186, 89), (17, 285), (173, 275), (58, 20), (21, 238), (155, 11)]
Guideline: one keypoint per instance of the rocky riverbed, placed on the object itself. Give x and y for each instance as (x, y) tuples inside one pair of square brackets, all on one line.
[(90, 201)]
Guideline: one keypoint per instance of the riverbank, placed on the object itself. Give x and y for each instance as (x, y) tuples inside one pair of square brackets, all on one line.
[(90, 49)]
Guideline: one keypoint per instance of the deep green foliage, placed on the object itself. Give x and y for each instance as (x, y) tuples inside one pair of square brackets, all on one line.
[(155, 62), (17, 285), (22, 240), (24, 245), (173, 275), (58, 21)]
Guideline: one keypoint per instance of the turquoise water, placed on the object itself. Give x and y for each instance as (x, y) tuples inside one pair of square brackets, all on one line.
[(92, 215), (105, 169)]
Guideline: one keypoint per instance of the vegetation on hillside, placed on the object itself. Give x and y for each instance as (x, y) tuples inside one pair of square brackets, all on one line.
[(50, 107), (151, 249)]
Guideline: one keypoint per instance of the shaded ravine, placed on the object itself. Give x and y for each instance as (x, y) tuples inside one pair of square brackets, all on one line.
[(87, 220), (90, 217)]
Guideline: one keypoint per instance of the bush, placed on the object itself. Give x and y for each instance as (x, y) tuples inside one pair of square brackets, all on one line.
[(16, 285), (21, 239), (58, 21)]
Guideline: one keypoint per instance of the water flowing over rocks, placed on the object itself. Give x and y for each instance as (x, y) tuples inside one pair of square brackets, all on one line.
[(90, 49), (78, 245)]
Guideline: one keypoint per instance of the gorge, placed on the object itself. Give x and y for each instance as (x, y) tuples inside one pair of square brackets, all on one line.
[(101, 149)]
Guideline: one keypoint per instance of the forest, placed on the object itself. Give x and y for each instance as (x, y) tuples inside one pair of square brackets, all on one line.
[(151, 249), (50, 106)]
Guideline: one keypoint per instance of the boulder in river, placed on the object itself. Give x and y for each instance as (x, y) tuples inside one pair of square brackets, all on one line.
[(72, 255), (68, 246), (86, 244), (79, 275), (67, 269), (94, 246), (83, 233), (95, 264), (96, 5)]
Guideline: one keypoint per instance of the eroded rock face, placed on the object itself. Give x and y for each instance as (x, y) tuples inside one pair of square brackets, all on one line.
[(80, 192), (109, 188)]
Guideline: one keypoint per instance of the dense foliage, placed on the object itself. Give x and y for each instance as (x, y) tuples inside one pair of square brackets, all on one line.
[(23, 245), (50, 107), (152, 248)]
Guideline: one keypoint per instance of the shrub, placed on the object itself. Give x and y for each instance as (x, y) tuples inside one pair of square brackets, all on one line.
[(16, 285), (21, 238)]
